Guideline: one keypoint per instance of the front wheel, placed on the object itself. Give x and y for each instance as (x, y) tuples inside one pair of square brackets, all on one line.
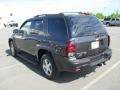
[(108, 24), (12, 49), (48, 67)]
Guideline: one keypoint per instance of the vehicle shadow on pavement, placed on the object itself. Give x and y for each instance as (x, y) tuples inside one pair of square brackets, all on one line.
[(64, 77), (68, 76)]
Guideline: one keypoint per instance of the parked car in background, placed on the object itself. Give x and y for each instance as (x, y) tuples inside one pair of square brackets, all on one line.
[(11, 23), (62, 42), (112, 21)]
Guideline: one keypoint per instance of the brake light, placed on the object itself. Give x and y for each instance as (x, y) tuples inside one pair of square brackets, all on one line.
[(70, 48)]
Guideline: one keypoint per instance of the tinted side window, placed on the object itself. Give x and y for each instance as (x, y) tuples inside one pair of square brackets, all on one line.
[(37, 27), (57, 28), (113, 19), (26, 27), (117, 19)]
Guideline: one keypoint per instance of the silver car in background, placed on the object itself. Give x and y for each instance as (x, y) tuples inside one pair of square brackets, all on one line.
[(112, 21)]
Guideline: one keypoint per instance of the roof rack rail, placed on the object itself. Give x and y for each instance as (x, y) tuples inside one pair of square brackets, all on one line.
[(75, 13), (69, 12), (40, 15)]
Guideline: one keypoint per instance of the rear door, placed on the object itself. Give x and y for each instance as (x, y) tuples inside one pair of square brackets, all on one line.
[(35, 36)]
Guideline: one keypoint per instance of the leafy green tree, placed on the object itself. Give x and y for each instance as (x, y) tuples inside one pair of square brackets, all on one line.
[(100, 15), (114, 15)]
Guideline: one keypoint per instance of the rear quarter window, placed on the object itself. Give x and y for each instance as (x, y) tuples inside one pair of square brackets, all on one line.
[(57, 28)]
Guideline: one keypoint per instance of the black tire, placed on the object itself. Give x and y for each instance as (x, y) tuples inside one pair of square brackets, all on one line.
[(12, 49), (52, 75), (107, 24)]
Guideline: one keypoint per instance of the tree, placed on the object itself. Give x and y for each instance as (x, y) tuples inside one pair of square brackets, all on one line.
[(100, 15), (114, 15)]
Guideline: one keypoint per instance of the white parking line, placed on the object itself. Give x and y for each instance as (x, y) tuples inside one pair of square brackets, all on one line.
[(100, 77), (8, 67)]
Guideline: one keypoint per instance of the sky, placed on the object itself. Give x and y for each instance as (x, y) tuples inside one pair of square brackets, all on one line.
[(29, 8)]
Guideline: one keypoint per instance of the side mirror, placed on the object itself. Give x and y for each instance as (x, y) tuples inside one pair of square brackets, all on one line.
[(21, 31), (15, 31)]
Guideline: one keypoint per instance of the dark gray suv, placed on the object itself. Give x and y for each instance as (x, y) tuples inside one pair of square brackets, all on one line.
[(62, 42)]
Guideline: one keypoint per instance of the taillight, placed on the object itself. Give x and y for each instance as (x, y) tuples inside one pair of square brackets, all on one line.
[(108, 40), (69, 49)]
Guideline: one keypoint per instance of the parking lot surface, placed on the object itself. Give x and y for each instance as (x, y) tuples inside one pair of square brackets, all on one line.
[(18, 74)]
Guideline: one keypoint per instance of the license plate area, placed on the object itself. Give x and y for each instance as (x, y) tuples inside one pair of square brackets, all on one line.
[(95, 45)]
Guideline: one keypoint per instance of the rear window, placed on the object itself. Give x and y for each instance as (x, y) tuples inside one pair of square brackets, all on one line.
[(84, 25), (57, 28)]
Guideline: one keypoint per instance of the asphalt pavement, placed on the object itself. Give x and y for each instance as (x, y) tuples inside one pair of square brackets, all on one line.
[(18, 74)]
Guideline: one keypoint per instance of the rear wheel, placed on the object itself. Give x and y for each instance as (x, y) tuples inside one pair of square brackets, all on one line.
[(48, 67), (12, 49)]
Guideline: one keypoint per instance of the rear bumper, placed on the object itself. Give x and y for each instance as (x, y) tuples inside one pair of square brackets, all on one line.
[(75, 65)]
